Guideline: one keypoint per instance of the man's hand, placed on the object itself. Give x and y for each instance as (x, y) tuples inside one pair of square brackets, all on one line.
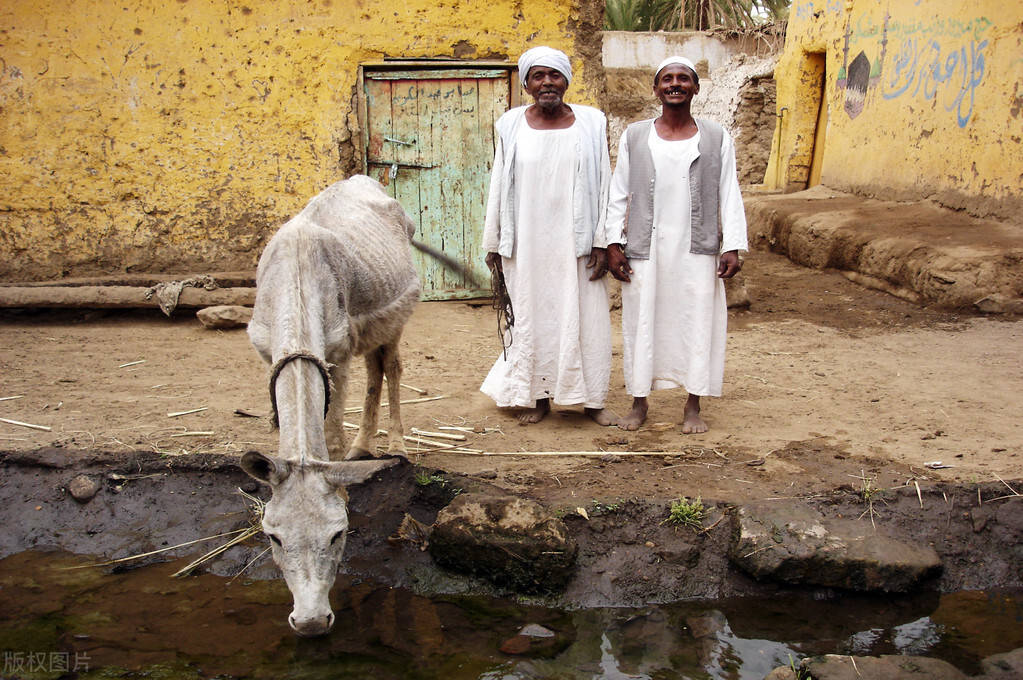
[(493, 261), (598, 263), (729, 265), (617, 263)]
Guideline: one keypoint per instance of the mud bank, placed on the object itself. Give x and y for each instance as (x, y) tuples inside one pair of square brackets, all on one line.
[(627, 554)]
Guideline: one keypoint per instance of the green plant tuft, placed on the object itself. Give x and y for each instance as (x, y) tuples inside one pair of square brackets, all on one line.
[(424, 478), (687, 512)]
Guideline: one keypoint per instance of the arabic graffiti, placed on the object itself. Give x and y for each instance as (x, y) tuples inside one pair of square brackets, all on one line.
[(941, 59), (926, 68)]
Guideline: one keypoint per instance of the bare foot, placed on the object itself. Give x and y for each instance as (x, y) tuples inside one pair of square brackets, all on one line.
[(636, 417), (602, 416), (535, 414), (692, 422)]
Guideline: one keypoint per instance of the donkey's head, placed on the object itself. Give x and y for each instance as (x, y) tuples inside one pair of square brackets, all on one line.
[(306, 521)]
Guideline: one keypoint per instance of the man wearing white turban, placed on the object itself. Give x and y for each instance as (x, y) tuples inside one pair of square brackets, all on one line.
[(675, 228), (545, 231)]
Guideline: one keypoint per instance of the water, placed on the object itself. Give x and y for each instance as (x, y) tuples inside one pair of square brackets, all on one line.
[(141, 623)]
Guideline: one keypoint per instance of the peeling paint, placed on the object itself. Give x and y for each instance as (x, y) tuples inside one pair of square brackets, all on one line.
[(137, 138), (919, 94)]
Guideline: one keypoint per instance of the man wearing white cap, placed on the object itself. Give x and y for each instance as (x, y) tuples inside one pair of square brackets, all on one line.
[(545, 231), (675, 228)]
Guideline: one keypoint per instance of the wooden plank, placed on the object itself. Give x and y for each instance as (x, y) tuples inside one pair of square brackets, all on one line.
[(437, 73), (431, 182), (224, 280), (404, 145), (378, 111), (492, 101), (118, 297)]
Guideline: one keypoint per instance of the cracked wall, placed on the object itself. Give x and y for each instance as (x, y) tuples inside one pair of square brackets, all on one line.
[(177, 136), (922, 98)]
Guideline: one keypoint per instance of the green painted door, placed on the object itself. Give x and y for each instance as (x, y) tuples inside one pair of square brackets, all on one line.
[(430, 142)]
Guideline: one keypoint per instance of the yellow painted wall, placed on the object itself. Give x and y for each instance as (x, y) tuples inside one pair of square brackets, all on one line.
[(176, 135), (924, 97)]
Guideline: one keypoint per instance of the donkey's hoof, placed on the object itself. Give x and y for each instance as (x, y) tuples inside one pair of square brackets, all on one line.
[(358, 454), (398, 453)]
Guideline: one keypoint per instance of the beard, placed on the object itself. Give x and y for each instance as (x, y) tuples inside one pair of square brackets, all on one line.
[(548, 104)]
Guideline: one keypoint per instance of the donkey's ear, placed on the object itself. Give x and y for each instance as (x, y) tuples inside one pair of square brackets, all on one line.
[(267, 469), (345, 473)]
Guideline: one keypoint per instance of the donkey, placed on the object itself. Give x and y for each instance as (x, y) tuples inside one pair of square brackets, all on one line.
[(335, 281)]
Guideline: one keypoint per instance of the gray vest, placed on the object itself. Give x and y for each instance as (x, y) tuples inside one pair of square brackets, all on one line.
[(704, 179)]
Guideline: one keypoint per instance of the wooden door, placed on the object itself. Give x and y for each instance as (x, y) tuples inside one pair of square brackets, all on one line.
[(430, 142)]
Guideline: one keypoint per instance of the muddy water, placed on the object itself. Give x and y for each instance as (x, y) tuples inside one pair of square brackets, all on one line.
[(142, 623)]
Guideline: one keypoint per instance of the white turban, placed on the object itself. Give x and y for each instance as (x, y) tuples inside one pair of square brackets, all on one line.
[(674, 60), (544, 56)]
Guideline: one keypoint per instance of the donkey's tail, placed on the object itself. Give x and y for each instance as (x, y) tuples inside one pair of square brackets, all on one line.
[(449, 262)]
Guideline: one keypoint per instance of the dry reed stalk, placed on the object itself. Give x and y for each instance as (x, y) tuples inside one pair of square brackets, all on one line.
[(121, 560), (249, 564), (185, 413), (589, 453), (1014, 492), (473, 430), (187, 569), (438, 435), (44, 428), (254, 528), (358, 409), (411, 438)]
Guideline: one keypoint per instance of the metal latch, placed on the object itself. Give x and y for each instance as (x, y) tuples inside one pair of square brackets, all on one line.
[(392, 169)]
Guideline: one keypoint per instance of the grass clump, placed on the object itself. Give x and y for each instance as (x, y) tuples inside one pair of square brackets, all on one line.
[(600, 508), (686, 512), (424, 478)]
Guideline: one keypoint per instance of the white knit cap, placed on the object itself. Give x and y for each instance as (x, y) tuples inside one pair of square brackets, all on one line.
[(674, 60), (544, 56)]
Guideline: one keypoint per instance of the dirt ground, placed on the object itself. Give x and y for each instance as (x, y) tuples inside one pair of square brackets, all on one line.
[(827, 385)]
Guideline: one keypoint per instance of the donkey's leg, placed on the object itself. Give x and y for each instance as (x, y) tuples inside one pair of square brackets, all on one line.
[(363, 447), (392, 370), (334, 425)]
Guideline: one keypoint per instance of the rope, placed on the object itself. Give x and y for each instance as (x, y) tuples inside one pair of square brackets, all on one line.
[(502, 303), (279, 365)]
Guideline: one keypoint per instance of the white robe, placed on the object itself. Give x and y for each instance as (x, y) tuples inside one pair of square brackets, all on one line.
[(561, 340), (674, 314)]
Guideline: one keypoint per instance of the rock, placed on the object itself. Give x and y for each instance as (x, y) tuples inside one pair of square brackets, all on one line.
[(999, 304), (736, 293), (512, 542), (224, 316), (489, 473), (979, 516), (782, 673), (83, 488), (535, 630), (795, 544), (515, 645), (534, 646), (886, 667), (999, 666), (684, 554), (707, 625)]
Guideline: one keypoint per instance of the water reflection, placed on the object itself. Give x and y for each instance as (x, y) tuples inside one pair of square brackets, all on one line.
[(135, 623)]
